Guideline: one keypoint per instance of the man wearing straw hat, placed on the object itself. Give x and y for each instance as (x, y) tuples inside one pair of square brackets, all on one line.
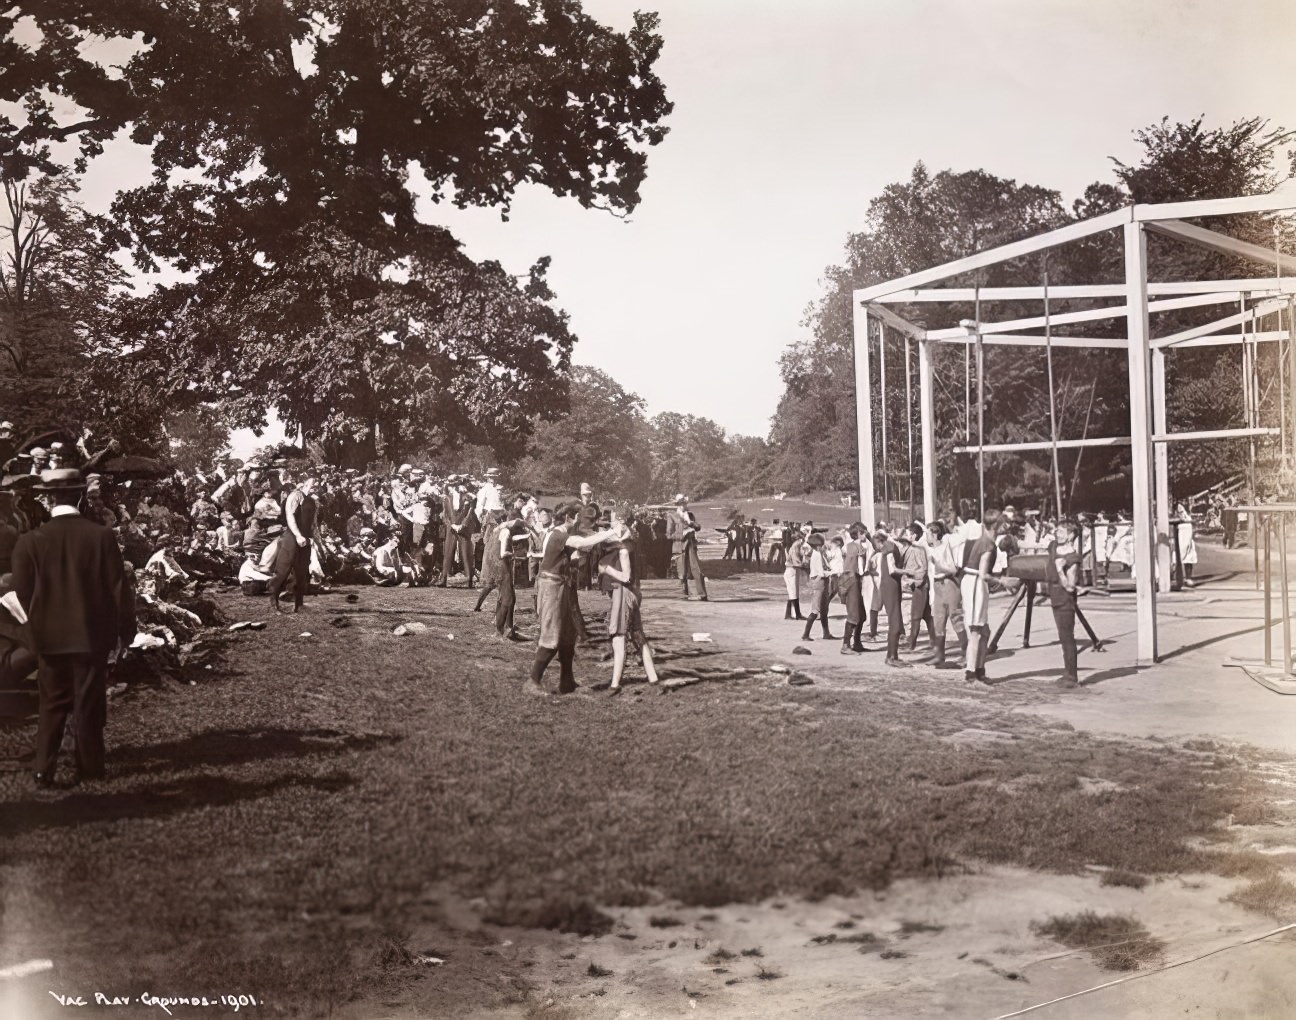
[(70, 582)]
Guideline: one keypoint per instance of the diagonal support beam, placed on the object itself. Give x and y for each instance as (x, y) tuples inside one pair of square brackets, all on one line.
[(895, 322), (1207, 328), (993, 256), (1216, 241)]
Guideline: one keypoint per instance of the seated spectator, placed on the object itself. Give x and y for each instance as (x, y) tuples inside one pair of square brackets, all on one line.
[(229, 536), (163, 563), (387, 568), (256, 573)]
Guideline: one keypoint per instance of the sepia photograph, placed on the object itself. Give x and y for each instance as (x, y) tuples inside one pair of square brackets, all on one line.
[(600, 510)]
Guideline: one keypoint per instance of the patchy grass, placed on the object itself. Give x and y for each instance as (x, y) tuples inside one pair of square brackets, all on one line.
[(1127, 879), (721, 955), (1272, 895), (311, 798), (1115, 941), (664, 922), (919, 927), (595, 971), (766, 974)]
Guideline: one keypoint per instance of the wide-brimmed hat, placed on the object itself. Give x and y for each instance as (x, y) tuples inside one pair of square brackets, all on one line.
[(493, 472), (680, 498), (61, 480)]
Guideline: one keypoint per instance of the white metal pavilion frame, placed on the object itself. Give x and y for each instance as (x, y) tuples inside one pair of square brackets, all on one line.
[(1145, 354)]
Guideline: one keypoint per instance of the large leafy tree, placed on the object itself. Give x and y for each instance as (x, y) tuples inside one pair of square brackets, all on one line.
[(912, 225), (290, 140), (1183, 161), (604, 439), (56, 294), (690, 455)]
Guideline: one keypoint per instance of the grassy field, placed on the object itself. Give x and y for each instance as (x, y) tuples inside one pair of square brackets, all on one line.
[(281, 825)]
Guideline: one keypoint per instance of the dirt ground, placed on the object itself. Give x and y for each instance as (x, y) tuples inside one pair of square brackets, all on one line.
[(357, 825)]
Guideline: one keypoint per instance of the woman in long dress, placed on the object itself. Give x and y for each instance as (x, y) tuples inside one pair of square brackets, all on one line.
[(619, 572)]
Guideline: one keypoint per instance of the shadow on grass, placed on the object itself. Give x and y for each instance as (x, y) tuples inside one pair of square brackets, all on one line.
[(235, 747), (376, 611), (154, 802)]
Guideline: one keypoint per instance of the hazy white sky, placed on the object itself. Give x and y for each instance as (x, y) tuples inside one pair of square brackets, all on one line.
[(789, 116)]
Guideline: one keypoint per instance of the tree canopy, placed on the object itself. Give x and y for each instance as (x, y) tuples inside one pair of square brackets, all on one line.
[(291, 140)]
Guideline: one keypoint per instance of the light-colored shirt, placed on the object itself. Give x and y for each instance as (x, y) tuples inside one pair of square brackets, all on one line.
[(490, 498), (387, 562), (944, 564)]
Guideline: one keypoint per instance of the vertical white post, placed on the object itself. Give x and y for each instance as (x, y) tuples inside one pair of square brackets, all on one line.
[(1161, 471), (927, 434), (1136, 303), (864, 414), (886, 408)]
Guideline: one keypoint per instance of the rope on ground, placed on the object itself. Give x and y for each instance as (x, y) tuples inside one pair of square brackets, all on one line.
[(1147, 973)]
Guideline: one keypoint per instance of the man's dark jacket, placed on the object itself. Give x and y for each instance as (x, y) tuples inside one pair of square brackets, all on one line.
[(69, 576)]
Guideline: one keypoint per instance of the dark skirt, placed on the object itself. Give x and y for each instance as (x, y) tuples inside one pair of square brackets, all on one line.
[(624, 619), (554, 612)]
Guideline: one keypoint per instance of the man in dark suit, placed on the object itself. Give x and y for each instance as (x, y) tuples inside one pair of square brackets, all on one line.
[(459, 514), (70, 581), (682, 529)]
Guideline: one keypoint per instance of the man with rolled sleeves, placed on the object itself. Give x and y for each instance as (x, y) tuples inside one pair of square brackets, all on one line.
[(71, 584), (294, 553)]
